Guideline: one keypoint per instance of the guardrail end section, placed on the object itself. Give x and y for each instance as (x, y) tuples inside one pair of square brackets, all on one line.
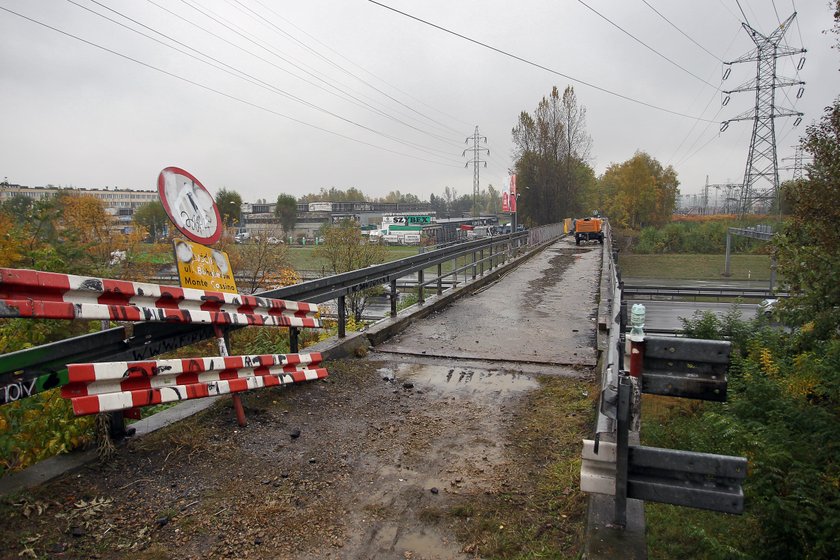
[(597, 470)]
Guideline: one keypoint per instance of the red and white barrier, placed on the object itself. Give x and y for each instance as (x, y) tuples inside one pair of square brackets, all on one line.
[(49, 295), (103, 387)]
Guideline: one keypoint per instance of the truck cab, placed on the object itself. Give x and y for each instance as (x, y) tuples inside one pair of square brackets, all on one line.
[(588, 229)]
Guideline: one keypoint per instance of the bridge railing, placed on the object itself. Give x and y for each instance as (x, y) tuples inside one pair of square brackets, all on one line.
[(25, 372)]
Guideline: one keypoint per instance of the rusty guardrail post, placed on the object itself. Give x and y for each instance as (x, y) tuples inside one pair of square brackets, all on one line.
[(294, 342), (237, 400), (393, 298), (420, 282), (440, 279), (342, 317)]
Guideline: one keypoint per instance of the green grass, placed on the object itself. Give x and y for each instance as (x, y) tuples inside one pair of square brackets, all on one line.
[(303, 258), (694, 267), (538, 510)]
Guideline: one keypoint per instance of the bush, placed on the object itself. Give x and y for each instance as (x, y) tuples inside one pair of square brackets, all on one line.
[(699, 237), (782, 414), (38, 427)]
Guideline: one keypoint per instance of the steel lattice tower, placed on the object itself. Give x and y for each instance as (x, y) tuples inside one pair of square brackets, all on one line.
[(761, 177), (477, 151)]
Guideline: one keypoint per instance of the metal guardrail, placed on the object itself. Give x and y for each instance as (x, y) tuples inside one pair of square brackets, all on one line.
[(679, 367), (686, 367), (25, 372), (683, 478), (634, 291)]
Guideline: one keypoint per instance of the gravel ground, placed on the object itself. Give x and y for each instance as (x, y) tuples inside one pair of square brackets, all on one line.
[(367, 464)]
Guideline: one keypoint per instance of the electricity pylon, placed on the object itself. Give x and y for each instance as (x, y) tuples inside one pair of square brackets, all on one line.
[(798, 159), (477, 151), (761, 177)]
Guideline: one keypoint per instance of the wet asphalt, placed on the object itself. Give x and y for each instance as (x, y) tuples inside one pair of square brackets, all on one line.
[(542, 313)]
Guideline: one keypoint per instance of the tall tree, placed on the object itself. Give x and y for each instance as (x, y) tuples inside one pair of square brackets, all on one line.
[(18, 208), (639, 192), (152, 217), (335, 195), (344, 250), (229, 203), (286, 212), (491, 200), (438, 204), (808, 248), (261, 264), (552, 148)]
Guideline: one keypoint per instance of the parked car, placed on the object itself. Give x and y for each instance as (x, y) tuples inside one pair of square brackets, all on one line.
[(768, 306), (274, 241)]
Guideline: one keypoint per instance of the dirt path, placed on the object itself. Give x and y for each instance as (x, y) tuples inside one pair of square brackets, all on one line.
[(394, 456)]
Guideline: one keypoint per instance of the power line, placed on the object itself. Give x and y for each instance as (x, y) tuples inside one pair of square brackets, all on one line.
[(694, 125), (344, 90), (246, 76), (776, 11), (648, 47), (531, 63), (216, 91), (742, 12), (684, 34), (346, 71), (284, 59), (730, 12), (798, 29)]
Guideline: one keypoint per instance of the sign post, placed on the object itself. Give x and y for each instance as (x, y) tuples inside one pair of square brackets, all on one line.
[(513, 197), (192, 209)]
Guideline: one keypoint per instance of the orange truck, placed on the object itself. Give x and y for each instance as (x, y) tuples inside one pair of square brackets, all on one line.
[(589, 229)]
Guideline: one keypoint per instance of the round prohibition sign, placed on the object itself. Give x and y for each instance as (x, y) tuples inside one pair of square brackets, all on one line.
[(189, 205)]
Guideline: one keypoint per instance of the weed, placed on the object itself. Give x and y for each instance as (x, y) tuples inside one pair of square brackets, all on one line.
[(538, 511)]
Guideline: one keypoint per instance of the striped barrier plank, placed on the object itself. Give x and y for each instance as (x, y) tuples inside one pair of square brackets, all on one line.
[(50, 295), (104, 387)]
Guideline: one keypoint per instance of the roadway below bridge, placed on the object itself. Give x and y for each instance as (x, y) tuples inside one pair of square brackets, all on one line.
[(667, 316), (665, 313), (458, 438)]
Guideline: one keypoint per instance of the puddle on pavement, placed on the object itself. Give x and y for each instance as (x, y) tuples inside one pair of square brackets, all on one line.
[(461, 379), (428, 546)]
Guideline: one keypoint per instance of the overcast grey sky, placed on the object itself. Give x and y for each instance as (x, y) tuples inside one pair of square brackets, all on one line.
[(295, 96)]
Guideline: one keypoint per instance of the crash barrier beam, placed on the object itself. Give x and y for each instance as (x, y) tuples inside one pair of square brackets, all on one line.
[(50, 295), (110, 386), (635, 291), (670, 476), (685, 367)]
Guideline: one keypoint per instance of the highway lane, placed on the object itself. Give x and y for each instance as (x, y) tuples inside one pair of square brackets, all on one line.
[(665, 315)]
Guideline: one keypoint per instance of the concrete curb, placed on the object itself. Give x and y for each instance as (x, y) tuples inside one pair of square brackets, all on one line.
[(332, 348)]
